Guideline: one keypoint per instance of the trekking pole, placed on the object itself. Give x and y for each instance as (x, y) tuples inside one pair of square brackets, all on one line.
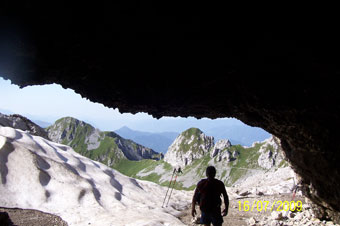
[(294, 189), (168, 187), (173, 185)]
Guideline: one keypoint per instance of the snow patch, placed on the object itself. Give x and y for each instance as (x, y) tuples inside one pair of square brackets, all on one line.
[(40, 174)]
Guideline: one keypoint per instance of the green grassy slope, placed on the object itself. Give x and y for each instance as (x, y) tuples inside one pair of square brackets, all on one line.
[(107, 147), (229, 172), (233, 163)]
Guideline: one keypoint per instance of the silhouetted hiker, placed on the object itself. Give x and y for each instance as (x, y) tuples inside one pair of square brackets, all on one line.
[(207, 194)]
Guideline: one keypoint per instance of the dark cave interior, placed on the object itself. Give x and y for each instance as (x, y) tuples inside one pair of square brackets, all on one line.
[(193, 60)]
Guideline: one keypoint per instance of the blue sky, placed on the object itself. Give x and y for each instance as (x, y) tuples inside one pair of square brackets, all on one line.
[(51, 102)]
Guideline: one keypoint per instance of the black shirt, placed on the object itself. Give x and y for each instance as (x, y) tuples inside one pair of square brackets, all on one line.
[(208, 193)]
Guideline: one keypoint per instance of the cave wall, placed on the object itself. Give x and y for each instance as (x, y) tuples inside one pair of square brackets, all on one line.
[(203, 60)]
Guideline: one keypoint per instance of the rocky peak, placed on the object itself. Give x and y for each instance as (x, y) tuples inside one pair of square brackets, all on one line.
[(271, 153), (106, 147), (20, 122), (189, 145), (220, 146), (64, 130)]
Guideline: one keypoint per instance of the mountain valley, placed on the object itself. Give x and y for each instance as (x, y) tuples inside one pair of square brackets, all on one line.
[(84, 176)]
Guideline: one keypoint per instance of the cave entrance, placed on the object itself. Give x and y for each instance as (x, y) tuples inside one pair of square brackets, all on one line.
[(249, 160)]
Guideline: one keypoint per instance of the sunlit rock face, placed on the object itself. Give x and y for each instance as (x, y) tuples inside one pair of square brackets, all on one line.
[(189, 145), (219, 146), (192, 60), (271, 153)]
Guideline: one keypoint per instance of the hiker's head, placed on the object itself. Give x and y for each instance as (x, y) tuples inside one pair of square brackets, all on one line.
[(210, 172)]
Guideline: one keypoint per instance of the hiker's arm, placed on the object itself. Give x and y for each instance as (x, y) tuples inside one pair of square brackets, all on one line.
[(193, 204), (226, 201)]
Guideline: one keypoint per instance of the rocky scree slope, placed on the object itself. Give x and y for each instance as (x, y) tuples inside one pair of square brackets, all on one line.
[(106, 147)]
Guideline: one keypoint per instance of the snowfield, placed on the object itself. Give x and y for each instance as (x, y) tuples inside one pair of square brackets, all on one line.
[(39, 174)]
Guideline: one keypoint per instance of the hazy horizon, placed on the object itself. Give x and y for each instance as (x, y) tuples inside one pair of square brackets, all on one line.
[(48, 103)]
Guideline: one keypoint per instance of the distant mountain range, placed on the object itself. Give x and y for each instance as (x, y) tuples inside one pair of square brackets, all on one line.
[(152, 133), (42, 124), (238, 134), (222, 128), (192, 150), (156, 141)]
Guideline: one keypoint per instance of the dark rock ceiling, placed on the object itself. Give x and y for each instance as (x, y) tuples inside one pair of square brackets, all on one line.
[(271, 70)]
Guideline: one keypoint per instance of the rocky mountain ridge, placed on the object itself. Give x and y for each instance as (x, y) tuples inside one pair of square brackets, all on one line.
[(193, 144), (106, 147), (193, 151), (20, 122)]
